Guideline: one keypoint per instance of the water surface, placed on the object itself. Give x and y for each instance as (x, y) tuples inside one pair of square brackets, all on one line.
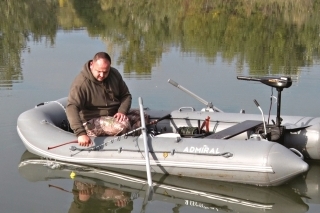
[(202, 45)]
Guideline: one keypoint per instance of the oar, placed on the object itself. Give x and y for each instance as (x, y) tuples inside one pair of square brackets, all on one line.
[(209, 105), (145, 140), (124, 135)]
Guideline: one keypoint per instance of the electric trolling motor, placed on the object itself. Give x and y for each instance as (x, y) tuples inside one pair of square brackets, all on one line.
[(275, 132)]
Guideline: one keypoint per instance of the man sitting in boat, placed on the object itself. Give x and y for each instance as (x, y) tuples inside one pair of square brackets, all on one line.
[(98, 101)]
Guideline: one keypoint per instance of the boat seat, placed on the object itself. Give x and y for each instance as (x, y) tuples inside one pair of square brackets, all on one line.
[(235, 130)]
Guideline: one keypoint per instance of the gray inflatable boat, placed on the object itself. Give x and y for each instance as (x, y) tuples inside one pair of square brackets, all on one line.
[(177, 145)]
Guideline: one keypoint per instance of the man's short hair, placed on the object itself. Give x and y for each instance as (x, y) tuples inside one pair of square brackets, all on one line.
[(102, 55)]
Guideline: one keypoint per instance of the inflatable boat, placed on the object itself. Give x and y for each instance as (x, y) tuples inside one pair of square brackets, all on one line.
[(208, 143), (177, 192)]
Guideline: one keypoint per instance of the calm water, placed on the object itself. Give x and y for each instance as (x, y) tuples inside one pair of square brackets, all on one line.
[(203, 45)]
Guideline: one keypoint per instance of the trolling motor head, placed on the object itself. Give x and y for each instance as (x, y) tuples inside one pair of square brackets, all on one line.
[(277, 82)]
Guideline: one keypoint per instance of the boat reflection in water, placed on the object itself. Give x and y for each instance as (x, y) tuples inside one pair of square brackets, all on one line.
[(96, 189), (308, 184)]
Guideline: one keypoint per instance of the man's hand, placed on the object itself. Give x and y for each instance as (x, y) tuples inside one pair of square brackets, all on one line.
[(120, 117), (84, 140)]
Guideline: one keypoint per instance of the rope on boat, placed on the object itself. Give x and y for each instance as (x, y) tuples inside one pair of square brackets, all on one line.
[(100, 148), (63, 107), (47, 102), (224, 154)]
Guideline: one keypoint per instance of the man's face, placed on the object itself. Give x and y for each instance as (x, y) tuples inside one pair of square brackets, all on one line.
[(100, 69)]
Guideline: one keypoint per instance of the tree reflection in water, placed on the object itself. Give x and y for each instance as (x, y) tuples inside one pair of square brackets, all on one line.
[(270, 37), (22, 22)]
